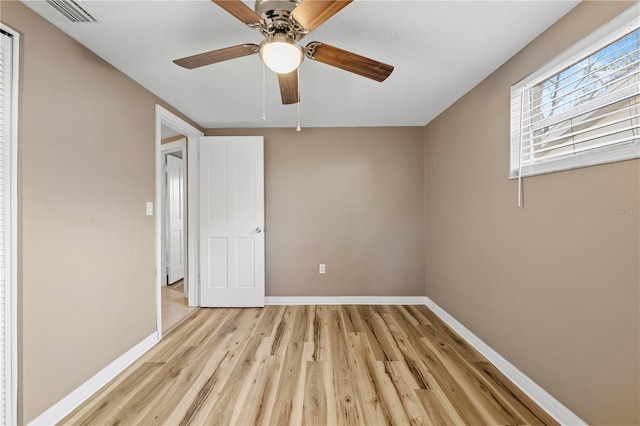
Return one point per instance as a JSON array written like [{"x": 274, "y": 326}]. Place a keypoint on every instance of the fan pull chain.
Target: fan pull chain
[
  {"x": 264, "y": 95},
  {"x": 298, "y": 72}
]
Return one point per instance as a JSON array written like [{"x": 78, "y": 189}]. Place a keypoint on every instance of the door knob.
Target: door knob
[{"x": 258, "y": 230}]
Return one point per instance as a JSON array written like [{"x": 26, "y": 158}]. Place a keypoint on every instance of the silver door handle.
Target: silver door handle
[{"x": 258, "y": 230}]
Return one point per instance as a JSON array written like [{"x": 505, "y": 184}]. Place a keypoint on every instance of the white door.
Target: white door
[
  {"x": 231, "y": 221},
  {"x": 175, "y": 200}
]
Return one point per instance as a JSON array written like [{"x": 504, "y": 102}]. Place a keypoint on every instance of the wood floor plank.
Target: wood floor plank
[
  {"x": 386, "y": 390},
  {"x": 445, "y": 336},
  {"x": 442, "y": 378},
  {"x": 173, "y": 406},
  {"x": 404, "y": 333},
  {"x": 288, "y": 382},
  {"x": 269, "y": 319},
  {"x": 454, "y": 391},
  {"x": 378, "y": 336},
  {"x": 200, "y": 404},
  {"x": 320, "y": 337},
  {"x": 530, "y": 414},
  {"x": 405, "y": 314},
  {"x": 237, "y": 330},
  {"x": 405, "y": 386},
  {"x": 299, "y": 324},
  {"x": 193, "y": 328},
  {"x": 374, "y": 411},
  {"x": 140, "y": 402},
  {"x": 418, "y": 314},
  {"x": 225, "y": 400},
  {"x": 464, "y": 360},
  {"x": 262, "y": 390},
  {"x": 311, "y": 365},
  {"x": 488, "y": 408},
  {"x": 315, "y": 395},
  {"x": 346, "y": 406},
  {"x": 438, "y": 410},
  {"x": 298, "y": 399},
  {"x": 354, "y": 322},
  {"x": 106, "y": 403}
]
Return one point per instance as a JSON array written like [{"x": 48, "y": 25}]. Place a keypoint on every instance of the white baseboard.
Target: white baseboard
[
  {"x": 541, "y": 397},
  {"x": 345, "y": 300},
  {"x": 72, "y": 401}
]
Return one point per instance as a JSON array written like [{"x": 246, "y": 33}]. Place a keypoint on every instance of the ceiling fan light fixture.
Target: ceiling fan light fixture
[{"x": 281, "y": 54}]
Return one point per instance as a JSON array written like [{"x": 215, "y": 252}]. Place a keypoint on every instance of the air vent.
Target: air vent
[{"x": 72, "y": 10}]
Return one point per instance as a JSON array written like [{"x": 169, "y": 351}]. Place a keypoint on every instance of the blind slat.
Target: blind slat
[
  {"x": 548, "y": 158},
  {"x": 570, "y": 134},
  {"x": 585, "y": 140}
]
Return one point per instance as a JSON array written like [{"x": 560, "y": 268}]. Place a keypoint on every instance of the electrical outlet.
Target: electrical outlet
[
  {"x": 323, "y": 269},
  {"x": 149, "y": 208}
]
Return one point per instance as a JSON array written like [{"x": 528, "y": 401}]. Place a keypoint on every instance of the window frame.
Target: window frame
[{"x": 616, "y": 28}]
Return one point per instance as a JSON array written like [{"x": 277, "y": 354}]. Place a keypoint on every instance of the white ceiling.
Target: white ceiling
[{"x": 440, "y": 50}]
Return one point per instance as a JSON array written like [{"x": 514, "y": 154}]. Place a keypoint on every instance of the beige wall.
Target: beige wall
[
  {"x": 351, "y": 198},
  {"x": 87, "y": 248},
  {"x": 553, "y": 287}
]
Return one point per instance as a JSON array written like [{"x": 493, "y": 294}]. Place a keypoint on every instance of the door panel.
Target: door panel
[
  {"x": 246, "y": 255},
  {"x": 218, "y": 261},
  {"x": 232, "y": 220}
]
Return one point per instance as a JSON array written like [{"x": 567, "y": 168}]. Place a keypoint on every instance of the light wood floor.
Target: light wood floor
[
  {"x": 174, "y": 306},
  {"x": 311, "y": 365}
]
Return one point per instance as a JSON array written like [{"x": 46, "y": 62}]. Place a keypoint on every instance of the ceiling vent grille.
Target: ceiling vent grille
[{"x": 72, "y": 10}]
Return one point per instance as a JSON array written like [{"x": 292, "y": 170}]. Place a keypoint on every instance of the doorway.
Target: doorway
[
  {"x": 176, "y": 290},
  {"x": 175, "y": 287}
]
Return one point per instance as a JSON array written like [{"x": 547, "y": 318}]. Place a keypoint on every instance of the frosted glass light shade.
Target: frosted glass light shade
[{"x": 281, "y": 54}]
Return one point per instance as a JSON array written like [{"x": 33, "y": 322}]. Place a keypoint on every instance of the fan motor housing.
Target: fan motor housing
[
  {"x": 263, "y": 7},
  {"x": 277, "y": 18}
]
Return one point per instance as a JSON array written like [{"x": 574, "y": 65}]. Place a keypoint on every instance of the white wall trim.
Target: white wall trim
[
  {"x": 541, "y": 397},
  {"x": 70, "y": 402},
  {"x": 169, "y": 119},
  {"x": 345, "y": 300},
  {"x": 193, "y": 219}
]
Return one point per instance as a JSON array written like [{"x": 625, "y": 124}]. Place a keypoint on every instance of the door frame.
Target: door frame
[
  {"x": 10, "y": 321},
  {"x": 167, "y": 118},
  {"x": 179, "y": 146}
]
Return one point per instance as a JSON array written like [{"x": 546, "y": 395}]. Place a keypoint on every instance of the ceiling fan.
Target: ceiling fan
[{"x": 284, "y": 23}]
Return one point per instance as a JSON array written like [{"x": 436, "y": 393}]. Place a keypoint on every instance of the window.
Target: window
[{"x": 583, "y": 108}]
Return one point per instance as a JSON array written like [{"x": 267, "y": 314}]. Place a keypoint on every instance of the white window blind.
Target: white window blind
[
  {"x": 7, "y": 268},
  {"x": 584, "y": 107}
]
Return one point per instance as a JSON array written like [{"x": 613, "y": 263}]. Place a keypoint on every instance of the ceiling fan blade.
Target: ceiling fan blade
[
  {"x": 289, "y": 87},
  {"x": 215, "y": 56},
  {"x": 312, "y": 13},
  {"x": 348, "y": 61},
  {"x": 240, "y": 10}
]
